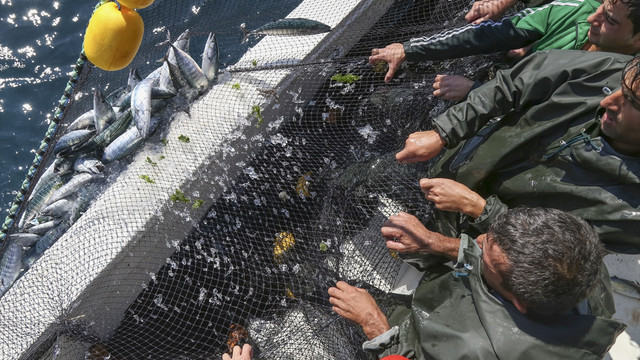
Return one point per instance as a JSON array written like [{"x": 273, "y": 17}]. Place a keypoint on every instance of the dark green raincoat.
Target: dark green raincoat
[
  {"x": 460, "y": 318},
  {"x": 547, "y": 149}
]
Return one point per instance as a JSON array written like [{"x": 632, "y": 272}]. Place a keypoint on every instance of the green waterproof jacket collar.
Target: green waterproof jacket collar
[{"x": 460, "y": 318}]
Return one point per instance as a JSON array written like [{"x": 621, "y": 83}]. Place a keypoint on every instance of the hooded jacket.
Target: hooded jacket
[{"x": 546, "y": 148}]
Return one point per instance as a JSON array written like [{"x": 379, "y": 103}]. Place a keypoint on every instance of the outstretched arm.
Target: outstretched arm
[
  {"x": 405, "y": 233},
  {"x": 450, "y": 195},
  {"x": 392, "y": 54},
  {"x": 358, "y": 305},
  {"x": 420, "y": 146}
]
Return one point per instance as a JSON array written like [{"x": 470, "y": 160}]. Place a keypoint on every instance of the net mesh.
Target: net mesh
[{"x": 232, "y": 220}]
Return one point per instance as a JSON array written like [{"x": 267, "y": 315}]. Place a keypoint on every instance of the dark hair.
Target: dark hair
[
  {"x": 634, "y": 12},
  {"x": 631, "y": 81},
  {"x": 554, "y": 257}
]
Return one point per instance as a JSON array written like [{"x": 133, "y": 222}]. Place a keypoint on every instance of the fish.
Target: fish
[
  {"x": 108, "y": 135},
  {"x": 625, "y": 287},
  {"x": 211, "y": 58},
  {"x": 126, "y": 143},
  {"x": 72, "y": 139},
  {"x": 182, "y": 43},
  {"x": 287, "y": 27},
  {"x": 190, "y": 69},
  {"x": 133, "y": 79},
  {"x": 141, "y": 106},
  {"x": 11, "y": 261},
  {"x": 103, "y": 114},
  {"x": 84, "y": 121},
  {"x": 10, "y": 266},
  {"x": 60, "y": 210},
  {"x": 77, "y": 181},
  {"x": 45, "y": 242},
  {"x": 40, "y": 196},
  {"x": 42, "y": 228},
  {"x": 116, "y": 96},
  {"x": 156, "y": 93},
  {"x": 88, "y": 164}
]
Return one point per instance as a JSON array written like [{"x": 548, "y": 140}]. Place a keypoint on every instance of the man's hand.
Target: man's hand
[
  {"x": 358, "y": 305},
  {"x": 244, "y": 353},
  {"x": 405, "y": 233},
  {"x": 488, "y": 10},
  {"x": 452, "y": 87},
  {"x": 392, "y": 54},
  {"x": 450, "y": 195},
  {"x": 420, "y": 146}
]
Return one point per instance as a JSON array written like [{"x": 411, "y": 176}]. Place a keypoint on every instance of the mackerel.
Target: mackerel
[
  {"x": 288, "y": 27},
  {"x": 211, "y": 58}
]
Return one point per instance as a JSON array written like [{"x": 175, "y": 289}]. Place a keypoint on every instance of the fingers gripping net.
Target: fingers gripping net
[{"x": 231, "y": 220}]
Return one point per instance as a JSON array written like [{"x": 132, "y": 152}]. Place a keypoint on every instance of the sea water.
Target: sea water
[{"x": 40, "y": 43}]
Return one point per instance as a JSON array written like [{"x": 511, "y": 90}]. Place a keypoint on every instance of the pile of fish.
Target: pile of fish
[{"x": 117, "y": 125}]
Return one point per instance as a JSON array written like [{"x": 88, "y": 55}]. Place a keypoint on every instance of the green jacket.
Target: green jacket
[
  {"x": 547, "y": 149},
  {"x": 558, "y": 25},
  {"x": 460, "y": 318}
]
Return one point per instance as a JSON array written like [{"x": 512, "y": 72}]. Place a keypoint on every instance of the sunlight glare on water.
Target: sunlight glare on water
[{"x": 40, "y": 43}]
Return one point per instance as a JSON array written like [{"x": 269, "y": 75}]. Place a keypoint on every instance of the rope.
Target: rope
[{"x": 44, "y": 145}]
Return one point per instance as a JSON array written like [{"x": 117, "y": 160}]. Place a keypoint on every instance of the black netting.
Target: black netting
[{"x": 252, "y": 199}]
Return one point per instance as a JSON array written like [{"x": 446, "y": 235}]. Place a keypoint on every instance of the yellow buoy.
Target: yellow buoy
[
  {"x": 136, "y": 4},
  {"x": 113, "y": 36}
]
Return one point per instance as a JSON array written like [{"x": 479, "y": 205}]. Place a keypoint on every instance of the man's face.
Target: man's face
[
  {"x": 612, "y": 30},
  {"x": 621, "y": 120}
]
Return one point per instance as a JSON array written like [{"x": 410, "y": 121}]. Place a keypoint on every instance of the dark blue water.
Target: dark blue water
[{"x": 40, "y": 43}]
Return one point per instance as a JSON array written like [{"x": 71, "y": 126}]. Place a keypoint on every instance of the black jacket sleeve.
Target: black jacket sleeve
[{"x": 486, "y": 37}]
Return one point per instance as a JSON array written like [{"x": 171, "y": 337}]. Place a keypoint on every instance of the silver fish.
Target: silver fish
[
  {"x": 103, "y": 114},
  {"x": 133, "y": 79},
  {"x": 211, "y": 58},
  {"x": 164, "y": 79},
  {"x": 10, "y": 266},
  {"x": 190, "y": 69},
  {"x": 40, "y": 196},
  {"x": 23, "y": 239},
  {"x": 59, "y": 166},
  {"x": 126, "y": 143},
  {"x": 141, "y": 106},
  {"x": 84, "y": 121},
  {"x": 182, "y": 43},
  {"x": 71, "y": 140},
  {"x": 77, "y": 181},
  {"x": 44, "y": 243},
  {"x": 59, "y": 210},
  {"x": 41, "y": 229},
  {"x": 156, "y": 93},
  {"x": 107, "y": 136},
  {"x": 625, "y": 287},
  {"x": 88, "y": 164},
  {"x": 288, "y": 27}
]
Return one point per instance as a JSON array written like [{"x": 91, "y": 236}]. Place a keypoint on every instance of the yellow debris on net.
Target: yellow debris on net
[
  {"x": 284, "y": 242},
  {"x": 289, "y": 294},
  {"x": 302, "y": 187}
]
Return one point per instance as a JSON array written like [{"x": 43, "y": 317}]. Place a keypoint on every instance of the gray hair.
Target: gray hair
[{"x": 554, "y": 257}]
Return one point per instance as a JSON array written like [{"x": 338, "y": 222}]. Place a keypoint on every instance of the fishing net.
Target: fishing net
[{"x": 229, "y": 223}]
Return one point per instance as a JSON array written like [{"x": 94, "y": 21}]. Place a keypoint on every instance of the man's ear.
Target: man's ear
[{"x": 521, "y": 306}]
